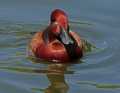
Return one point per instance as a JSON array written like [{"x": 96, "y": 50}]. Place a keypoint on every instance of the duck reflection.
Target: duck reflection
[{"x": 56, "y": 77}]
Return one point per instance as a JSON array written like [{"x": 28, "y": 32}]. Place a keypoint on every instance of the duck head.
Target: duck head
[
  {"x": 60, "y": 17},
  {"x": 60, "y": 26}
]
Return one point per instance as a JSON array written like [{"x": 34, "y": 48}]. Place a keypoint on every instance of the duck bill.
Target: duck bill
[{"x": 64, "y": 37}]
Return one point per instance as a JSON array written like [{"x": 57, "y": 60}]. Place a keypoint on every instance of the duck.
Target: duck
[{"x": 57, "y": 42}]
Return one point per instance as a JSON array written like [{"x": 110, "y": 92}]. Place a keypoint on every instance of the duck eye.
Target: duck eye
[{"x": 53, "y": 20}]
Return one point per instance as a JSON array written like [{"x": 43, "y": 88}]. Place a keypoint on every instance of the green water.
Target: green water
[{"x": 97, "y": 72}]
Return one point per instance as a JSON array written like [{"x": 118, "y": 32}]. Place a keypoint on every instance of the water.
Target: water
[{"x": 97, "y": 73}]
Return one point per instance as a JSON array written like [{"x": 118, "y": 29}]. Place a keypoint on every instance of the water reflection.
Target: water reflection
[
  {"x": 55, "y": 73},
  {"x": 56, "y": 77}
]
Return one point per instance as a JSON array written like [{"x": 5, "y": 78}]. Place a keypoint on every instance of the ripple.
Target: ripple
[
  {"x": 101, "y": 50},
  {"x": 100, "y": 85}
]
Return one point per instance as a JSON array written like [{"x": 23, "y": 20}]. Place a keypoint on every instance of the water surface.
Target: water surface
[{"x": 97, "y": 71}]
